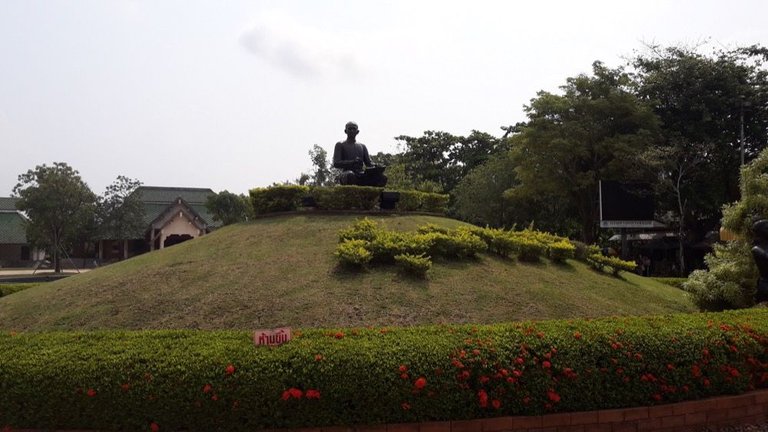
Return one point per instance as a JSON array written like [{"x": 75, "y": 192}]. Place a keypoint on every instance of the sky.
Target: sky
[{"x": 231, "y": 95}]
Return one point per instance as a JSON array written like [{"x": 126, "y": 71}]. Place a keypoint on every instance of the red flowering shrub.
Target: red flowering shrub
[{"x": 405, "y": 374}]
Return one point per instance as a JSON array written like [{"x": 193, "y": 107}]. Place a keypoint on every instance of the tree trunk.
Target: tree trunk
[{"x": 56, "y": 260}]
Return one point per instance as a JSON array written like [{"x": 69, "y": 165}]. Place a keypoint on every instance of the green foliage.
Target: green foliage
[
  {"x": 120, "y": 212},
  {"x": 353, "y": 253},
  {"x": 363, "y": 229},
  {"x": 729, "y": 282},
  {"x": 217, "y": 380},
  {"x": 584, "y": 251},
  {"x": 434, "y": 202},
  {"x": 416, "y": 265},
  {"x": 562, "y": 250},
  {"x": 590, "y": 132},
  {"x": 11, "y": 288},
  {"x": 60, "y": 206},
  {"x": 432, "y": 228},
  {"x": 612, "y": 264},
  {"x": 278, "y": 198},
  {"x": 347, "y": 197},
  {"x": 529, "y": 249},
  {"x": 422, "y": 201},
  {"x": 456, "y": 244},
  {"x": 479, "y": 196},
  {"x": 228, "y": 208},
  {"x": 321, "y": 174}
]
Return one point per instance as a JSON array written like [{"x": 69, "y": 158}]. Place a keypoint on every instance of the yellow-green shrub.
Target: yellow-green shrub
[
  {"x": 562, "y": 250},
  {"x": 417, "y": 265},
  {"x": 277, "y": 198},
  {"x": 346, "y": 197},
  {"x": 613, "y": 264},
  {"x": 353, "y": 253}
]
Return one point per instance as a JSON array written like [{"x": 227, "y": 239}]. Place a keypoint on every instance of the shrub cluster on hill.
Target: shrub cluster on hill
[
  {"x": 366, "y": 242},
  {"x": 195, "y": 380},
  {"x": 10, "y": 288},
  {"x": 281, "y": 198}
]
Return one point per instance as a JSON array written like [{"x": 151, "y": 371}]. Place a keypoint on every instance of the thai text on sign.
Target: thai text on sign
[{"x": 276, "y": 336}]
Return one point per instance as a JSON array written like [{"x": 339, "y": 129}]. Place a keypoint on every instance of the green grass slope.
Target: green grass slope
[{"x": 281, "y": 272}]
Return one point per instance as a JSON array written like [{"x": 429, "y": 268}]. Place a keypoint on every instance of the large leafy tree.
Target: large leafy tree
[
  {"x": 444, "y": 159},
  {"x": 479, "y": 196},
  {"x": 229, "y": 208},
  {"x": 593, "y": 131},
  {"x": 120, "y": 210},
  {"x": 702, "y": 102},
  {"x": 59, "y": 205}
]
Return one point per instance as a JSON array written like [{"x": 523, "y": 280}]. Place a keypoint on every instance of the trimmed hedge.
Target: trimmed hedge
[
  {"x": 347, "y": 197},
  {"x": 217, "y": 380},
  {"x": 612, "y": 264},
  {"x": 277, "y": 198},
  {"x": 422, "y": 201},
  {"x": 10, "y": 288}
]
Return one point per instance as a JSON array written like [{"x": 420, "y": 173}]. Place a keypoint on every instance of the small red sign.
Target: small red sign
[{"x": 276, "y": 336}]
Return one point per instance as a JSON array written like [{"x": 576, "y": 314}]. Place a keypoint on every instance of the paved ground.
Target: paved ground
[{"x": 28, "y": 272}]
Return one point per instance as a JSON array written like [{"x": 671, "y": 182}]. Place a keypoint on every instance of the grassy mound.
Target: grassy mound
[{"x": 281, "y": 271}]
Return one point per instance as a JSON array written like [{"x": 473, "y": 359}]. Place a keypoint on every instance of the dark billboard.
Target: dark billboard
[{"x": 626, "y": 201}]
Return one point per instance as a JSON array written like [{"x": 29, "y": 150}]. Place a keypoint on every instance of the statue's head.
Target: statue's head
[
  {"x": 760, "y": 229},
  {"x": 351, "y": 129}
]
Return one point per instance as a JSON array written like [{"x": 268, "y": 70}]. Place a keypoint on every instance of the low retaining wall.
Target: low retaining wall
[{"x": 693, "y": 416}]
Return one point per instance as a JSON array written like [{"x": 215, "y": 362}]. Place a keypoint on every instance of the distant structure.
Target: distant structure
[
  {"x": 15, "y": 250},
  {"x": 172, "y": 215}
]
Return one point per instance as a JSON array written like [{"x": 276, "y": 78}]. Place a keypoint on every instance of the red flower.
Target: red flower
[
  {"x": 207, "y": 388},
  {"x": 484, "y": 379},
  {"x": 705, "y": 352},
  {"x": 577, "y": 335},
  {"x": 476, "y": 352},
  {"x": 519, "y": 360},
  {"x": 706, "y": 382},
  {"x": 214, "y": 397},
  {"x": 482, "y": 398},
  {"x": 420, "y": 383},
  {"x": 696, "y": 371},
  {"x": 154, "y": 427},
  {"x": 295, "y": 393},
  {"x": 339, "y": 335},
  {"x": 546, "y": 365},
  {"x": 734, "y": 372},
  {"x": 553, "y": 396},
  {"x": 318, "y": 357},
  {"x": 496, "y": 404},
  {"x": 404, "y": 376},
  {"x": 286, "y": 395},
  {"x": 313, "y": 394},
  {"x": 526, "y": 400},
  {"x": 670, "y": 366},
  {"x": 125, "y": 387},
  {"x": 406, "y": 406},
  {"x": 656, "y": 397},
  {"x": 230, "y": 369},
  {"x": 403, "y": 368},
  {"x": 91, "y": 392},
  {"x": 464, "y": 375}
]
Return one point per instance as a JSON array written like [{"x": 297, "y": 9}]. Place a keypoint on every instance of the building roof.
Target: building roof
[
  {"x": 12, "y": 230},
  {"x": 8, "y": 204},
  {"x": 157, "y": 199}
]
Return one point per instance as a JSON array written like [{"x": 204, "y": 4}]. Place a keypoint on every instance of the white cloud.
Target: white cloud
[{"x": 299, "y": 49}]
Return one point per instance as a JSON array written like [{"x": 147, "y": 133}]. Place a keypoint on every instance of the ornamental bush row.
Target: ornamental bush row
[
  {"x": 217, "y": 380},
  {"x": 612, "y": 264},
  {"x": 529, "y": 245},
  {"x": 281, "y": 198}
]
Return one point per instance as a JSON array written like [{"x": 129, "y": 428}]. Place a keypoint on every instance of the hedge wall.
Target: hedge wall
[{"x": 195, "y": 380}]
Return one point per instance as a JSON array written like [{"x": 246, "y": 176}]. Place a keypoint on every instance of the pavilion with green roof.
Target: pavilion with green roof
[{"x": 171, "y": 215}]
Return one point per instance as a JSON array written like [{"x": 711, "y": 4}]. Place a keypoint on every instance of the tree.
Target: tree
[
  {"x": 443, "y": 158},
  {"x": 120, "y": 212},
  {"x": 228, "y": 208},
  {"x": 479, "y": 196},
  {"x": 321, "y": 175},
  {"x": 731, "y": 276},
  {"x": 59, "y": 204},
  {"x": 700, "y": 100},
  {"x": 592, "y": 132}
]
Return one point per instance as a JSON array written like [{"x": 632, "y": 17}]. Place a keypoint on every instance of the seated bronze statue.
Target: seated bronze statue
[
  {"x": 760, "y": 255},
  {"x": 353, "y": 159}
]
